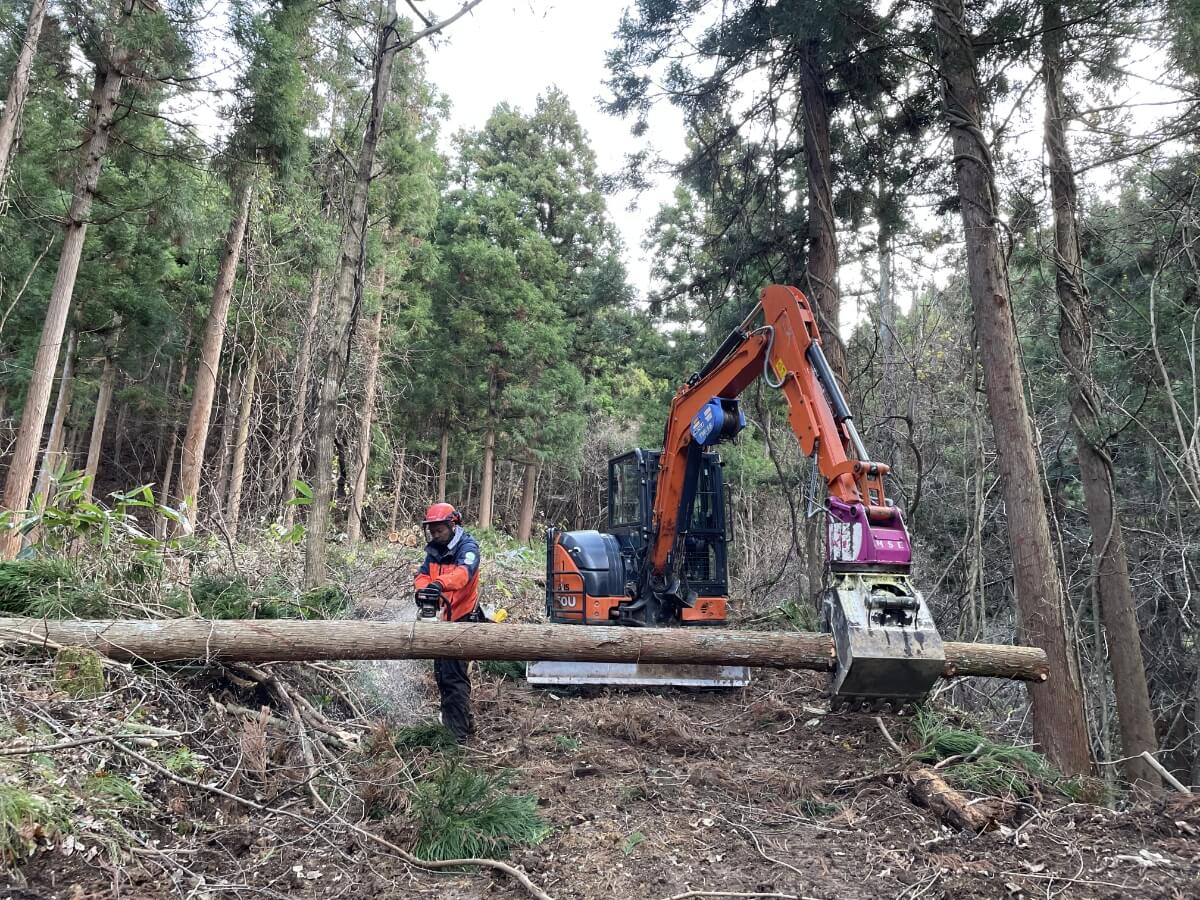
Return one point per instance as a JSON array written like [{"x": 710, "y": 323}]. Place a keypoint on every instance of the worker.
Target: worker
[{"x": 450, "y": 576}]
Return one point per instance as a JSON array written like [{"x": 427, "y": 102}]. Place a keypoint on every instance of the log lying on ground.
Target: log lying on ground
[
  {"x": 278, "y": 640},
  {"x": 927, "y": 788}
]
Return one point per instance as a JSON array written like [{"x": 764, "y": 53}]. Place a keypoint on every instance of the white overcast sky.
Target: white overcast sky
[{"x": 512, "y": 50}]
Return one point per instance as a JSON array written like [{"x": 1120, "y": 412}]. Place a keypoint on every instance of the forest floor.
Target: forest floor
[{"x": 205, "y": 783}]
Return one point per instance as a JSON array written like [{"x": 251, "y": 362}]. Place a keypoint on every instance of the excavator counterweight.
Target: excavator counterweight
[{"x": 662, "y": 560}]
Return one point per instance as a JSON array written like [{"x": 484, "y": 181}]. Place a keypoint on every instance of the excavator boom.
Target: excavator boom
[{"x": 888, "y": 650}]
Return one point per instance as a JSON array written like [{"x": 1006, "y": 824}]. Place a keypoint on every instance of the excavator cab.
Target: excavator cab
[
  {"x": 592, "y": 577},
  {"x": 632, "y": 480}
]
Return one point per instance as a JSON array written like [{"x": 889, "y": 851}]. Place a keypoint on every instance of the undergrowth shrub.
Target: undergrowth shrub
[
  {"x": 46, "y": 587},
  {"x": 991, "y": 767},
  {"x": 26, "y": 821},
  {"x": 503, "y": 668},
  {"x": 794, "y": 615},
  {"x": 463, "y": 814},
  {"x": 223, "y": 596},
  {"x": 426, "y": 735},
  {"x": 115, "y": 791}
]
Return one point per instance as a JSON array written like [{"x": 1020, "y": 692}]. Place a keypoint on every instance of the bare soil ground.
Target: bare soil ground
[{"x": 755, "y": 793}]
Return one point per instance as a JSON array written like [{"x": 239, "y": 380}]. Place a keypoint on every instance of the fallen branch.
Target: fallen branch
[
  {"x": 431, "y": 864},
  {"x": 294, "y": 702},
  {"x": 228, "y": 708},
  {"x": 887, "y": 736},
  {"x": 836, "y": 787},
  {"x": 1167, "y": 776}
]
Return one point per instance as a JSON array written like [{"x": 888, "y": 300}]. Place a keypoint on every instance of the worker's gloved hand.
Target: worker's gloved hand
[{"x": 433, "y": 590}]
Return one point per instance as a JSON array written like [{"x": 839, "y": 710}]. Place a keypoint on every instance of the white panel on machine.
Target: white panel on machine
[{"x": 636, "y": 674}]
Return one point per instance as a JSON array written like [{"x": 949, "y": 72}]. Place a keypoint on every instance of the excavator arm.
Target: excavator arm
[
  {"x": 784, "y": 348},
  {"x": 888, "y": 649},
  {"x": 657, "y": 566}
]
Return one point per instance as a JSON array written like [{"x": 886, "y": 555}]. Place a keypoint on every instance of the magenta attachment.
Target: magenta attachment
[{"x": 855, "y": 540}]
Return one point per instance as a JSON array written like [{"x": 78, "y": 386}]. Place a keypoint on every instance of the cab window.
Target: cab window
[{"x": 625, "y": 505}]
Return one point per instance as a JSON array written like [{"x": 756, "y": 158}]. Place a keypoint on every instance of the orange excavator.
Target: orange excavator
[{"x": 662, "y": 559}]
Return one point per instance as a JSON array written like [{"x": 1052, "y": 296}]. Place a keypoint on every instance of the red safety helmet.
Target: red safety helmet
[{"x": 442, "y": 512}]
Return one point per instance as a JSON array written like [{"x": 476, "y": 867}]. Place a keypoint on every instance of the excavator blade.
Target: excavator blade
[
  {"x": 636, "y": 675},
  {"x": 889, "y": 652}
]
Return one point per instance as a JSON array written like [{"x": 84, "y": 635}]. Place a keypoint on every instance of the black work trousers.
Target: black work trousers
[{"x": 454, "y": 685}]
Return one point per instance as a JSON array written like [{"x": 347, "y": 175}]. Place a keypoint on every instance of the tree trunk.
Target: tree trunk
[
  {"x": 887, "y": 351},
  {"x": 118, "y": 431},
  {"x": 814, "y": 554},
  {"x": 1117, "y": 607},
  {"x": 443, "y": 462},
  {"x": 18, "y": 90},
  {"x": 205, "y": 387},
  {"x": 37, "y": 400},
  {"x": 160, "y": 443},
  {"x": 928, "y": 789},
  {"x": 976, "y": 574},
  {"x": 1195, "y": 779},
  {"x": 268, "y": 640},
  {"x": 398, "y": 486},
  {"x": 1059, "y": 725},
  {"x": 347, "y": 293},
  {"x": 237, "y": 470},
  {"x": 821, "y": 271},
  {"x": 487, "y": 478},
  {"x": 300, "y": 400},
  {"x": 354, "y": 526},
  {"x": 234, "y": 383},
  {"x": 528, "y": 501},
  {"x": 509, "y": 481},
  {"x": 52, "y": 458},
  {"x": 164, "y": 492},
  {"x": 108, "y": 380}
]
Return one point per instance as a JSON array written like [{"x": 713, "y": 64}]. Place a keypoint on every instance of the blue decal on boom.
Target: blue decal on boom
[{"x": 708, "y": 423}]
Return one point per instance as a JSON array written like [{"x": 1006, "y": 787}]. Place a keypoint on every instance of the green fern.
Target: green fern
[
  {"x": 990, "y": 767},
  {"x": 464, "y": 814},
  {"x": 25, "y": 818}
]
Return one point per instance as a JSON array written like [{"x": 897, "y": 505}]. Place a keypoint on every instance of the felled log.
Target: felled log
[
  {"x": 278, "y": 640},
  {"x": 928, "y": 789}
]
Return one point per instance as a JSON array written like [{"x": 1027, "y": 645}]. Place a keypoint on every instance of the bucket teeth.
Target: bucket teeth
[{"x": 883, "y": 706}]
